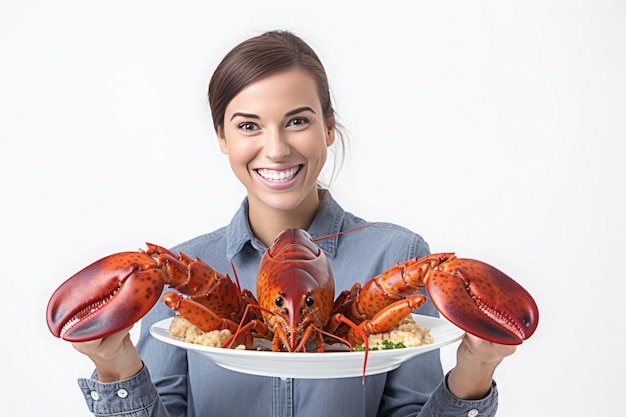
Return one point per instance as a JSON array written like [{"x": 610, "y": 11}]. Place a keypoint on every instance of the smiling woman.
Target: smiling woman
[{"x": 276, "y": 139}]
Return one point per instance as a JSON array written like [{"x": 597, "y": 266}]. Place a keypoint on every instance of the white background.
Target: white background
[{"x": 494, "y": 129}]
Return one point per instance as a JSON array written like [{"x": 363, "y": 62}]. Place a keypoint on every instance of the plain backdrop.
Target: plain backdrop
[{"x": 493, "y": 128}]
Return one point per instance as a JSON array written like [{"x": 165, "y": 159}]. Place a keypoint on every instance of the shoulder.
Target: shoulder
[
  {"x": 390, "y": 236},
  {"x": 366, "y": 249},
  {"x": 204, "y": 245}
]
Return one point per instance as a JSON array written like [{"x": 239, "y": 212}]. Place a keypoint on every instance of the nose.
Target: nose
[{"x": 276, "y": 145}]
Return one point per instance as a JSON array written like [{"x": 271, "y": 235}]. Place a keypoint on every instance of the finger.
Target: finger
[
  {"x": 485, "y": 350},
  {"x": 104, "y": 345}
]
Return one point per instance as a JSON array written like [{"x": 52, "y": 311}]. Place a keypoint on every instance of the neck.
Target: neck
[{"x": 266, "y": 222}]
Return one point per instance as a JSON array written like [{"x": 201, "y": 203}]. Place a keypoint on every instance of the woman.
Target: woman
[{"x": 274, "y": 120}]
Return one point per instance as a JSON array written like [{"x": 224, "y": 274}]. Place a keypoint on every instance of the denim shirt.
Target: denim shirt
[{"x": 177, "y": 382}]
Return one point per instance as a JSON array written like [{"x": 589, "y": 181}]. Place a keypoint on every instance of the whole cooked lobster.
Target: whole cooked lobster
[{"x": 296, "y": 297}]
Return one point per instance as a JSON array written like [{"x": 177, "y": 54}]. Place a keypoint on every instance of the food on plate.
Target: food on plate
[
  {"x": 181, "y": 329},
  {"x": 407, "y": 333}
]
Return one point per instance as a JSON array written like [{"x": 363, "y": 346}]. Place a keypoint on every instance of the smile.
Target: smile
[{"x": 283, "y": 175}]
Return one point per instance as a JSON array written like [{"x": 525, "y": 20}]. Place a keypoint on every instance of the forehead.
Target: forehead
[{"x": 279, "y": 91}]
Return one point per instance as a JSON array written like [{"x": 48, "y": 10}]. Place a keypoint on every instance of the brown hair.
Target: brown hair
[{"x": 259, "y": 57}]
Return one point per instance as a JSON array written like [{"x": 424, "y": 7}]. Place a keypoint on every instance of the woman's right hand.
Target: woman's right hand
[{"x": 114, "y": 356}]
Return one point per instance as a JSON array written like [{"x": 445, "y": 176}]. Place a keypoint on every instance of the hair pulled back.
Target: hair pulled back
[{"x": 259, "y": 57}]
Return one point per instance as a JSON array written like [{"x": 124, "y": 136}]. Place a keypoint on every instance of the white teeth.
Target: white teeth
[{"x": 278, "y": 176}]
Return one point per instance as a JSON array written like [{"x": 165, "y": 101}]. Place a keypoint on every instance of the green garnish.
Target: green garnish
[{"x": 387, "y": 344}]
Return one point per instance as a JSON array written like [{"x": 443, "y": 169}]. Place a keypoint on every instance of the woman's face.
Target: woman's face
[{"x": 276, "y": 140}]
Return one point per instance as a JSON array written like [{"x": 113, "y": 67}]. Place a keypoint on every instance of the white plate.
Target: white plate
[{"x": 315, "y": 365}]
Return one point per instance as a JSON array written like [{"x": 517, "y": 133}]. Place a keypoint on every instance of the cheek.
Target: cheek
[
  {"x": 240, "y": 152},
  {"x": 314, "y": 146}
]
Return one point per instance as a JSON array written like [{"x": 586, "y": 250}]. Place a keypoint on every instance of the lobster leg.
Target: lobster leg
[
  {"x": 280, "y": 338},
  {"x": 383, "y": 321},
  {"x": 116, "y": 291},
  {"x": 197, "y": 314},
  {"x": 388, "y": 317},
  {"x": 473, "y": 295}
]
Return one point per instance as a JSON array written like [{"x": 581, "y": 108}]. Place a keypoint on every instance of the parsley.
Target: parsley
[{"x": 387, "y": 344}]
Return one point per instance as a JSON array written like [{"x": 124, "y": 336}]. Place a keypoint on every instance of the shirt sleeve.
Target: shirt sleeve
[
  {"x": 139, "y": 395},
  {"x": 442, "y": 402},
  {"x": 132, "y": 397}
]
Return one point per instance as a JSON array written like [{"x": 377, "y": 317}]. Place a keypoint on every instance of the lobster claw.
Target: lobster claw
[
  {"x": 105, "y": 297},
  {"x": 483, "y": 301}
]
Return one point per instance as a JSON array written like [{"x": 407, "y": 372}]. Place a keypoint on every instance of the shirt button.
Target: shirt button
[
  {"x": 122, "y": 393},
  {"x": 94, "y": 395},
  {"x": 472, "y": 413}
]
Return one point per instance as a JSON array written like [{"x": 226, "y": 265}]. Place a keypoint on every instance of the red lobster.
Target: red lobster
[{"x": 295, "y": 290}]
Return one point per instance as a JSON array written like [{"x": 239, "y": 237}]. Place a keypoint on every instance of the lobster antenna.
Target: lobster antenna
[
  {"x": 232, "y": 266},
  {"x": 317, "y": 239}
]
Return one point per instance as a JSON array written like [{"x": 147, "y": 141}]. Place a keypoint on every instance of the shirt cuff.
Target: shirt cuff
[
  {"x": 125, "y": 396},
  {"x": 443, "y": 399}
]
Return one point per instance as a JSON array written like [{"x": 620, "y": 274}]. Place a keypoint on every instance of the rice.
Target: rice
[
  {"x": 407, "y": 332},
  {"x": 181, "y": 329}
]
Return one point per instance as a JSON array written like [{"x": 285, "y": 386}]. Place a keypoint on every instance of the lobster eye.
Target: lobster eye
[
  {"x": 279, "y": 301},
  {"x": 309, "y": 301}
]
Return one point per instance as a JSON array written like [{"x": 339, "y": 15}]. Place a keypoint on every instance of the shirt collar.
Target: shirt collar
[{"x": 328, "y": 221}]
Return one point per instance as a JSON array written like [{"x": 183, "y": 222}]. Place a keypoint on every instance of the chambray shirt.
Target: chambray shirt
[{"x": 177, "y": 382}]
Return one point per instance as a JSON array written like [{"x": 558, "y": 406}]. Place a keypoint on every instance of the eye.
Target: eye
[
  {"x": 279, "y": 301},
  {"x": 247, "y": 126},
  {"x": 298, "y": 121},
  {"x": 309, "y": 301}
]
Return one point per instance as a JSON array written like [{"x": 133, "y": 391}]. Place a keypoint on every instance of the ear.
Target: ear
[
  {"x": 330, "y": 132},
  {"x": 222, "y": 141}
]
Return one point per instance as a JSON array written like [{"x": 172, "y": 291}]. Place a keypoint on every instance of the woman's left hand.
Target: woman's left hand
[{"x": 476, "y": 362}]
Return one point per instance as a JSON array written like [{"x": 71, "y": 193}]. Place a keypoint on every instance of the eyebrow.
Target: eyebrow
[
  {"x": 300, "y": 110},
  {"x": 245, "y": 115},
  {"x": 290, "y": 113}
]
